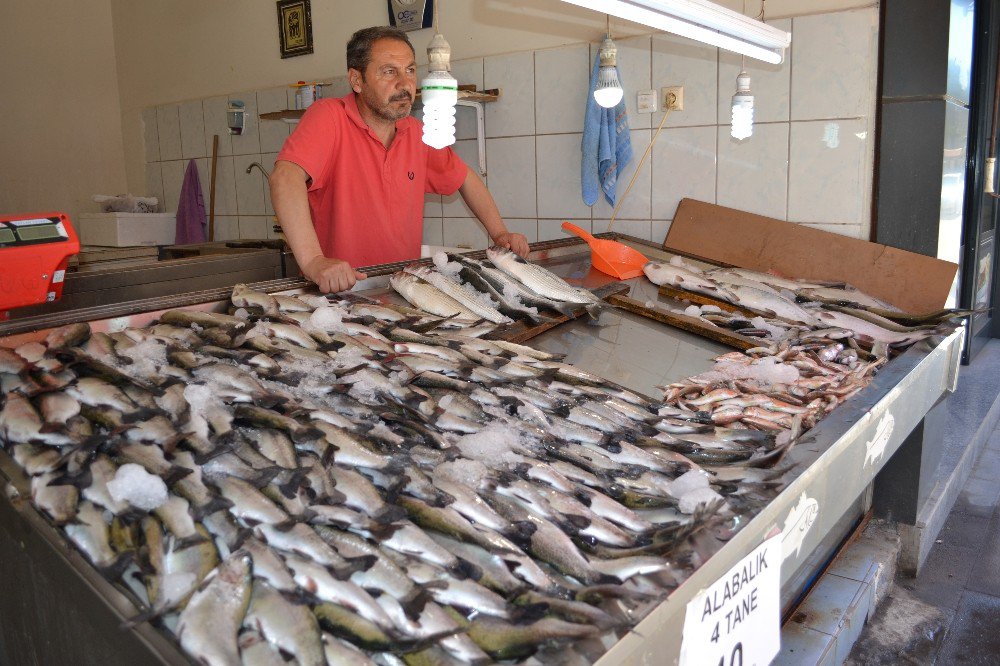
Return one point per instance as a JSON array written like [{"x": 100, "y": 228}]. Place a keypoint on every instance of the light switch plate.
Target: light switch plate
[{"x": 646, "y": 101}]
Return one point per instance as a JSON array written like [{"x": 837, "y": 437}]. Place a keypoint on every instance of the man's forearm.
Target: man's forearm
[
  {"x": 481, "y": 202},
  {"x": 290, "y": 199}
]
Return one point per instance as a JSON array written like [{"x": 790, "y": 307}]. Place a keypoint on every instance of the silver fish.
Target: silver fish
[{"x": 209, "y": 624}]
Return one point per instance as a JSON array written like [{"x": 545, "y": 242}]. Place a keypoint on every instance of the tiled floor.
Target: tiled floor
[{"x": 960, "y": 581}]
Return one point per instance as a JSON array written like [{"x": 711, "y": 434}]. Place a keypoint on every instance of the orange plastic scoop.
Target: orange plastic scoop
[{"x": 611, "y": 257}]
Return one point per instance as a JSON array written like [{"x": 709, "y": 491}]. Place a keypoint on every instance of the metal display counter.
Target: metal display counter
[
  {"x": 172, "y": 272},
  {"x": 55, "y": 608}
]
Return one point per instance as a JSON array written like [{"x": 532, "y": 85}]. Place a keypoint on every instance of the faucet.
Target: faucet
[{"x": 262, "y": 170}]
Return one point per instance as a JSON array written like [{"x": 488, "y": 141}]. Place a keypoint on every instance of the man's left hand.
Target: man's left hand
[{"x": 516, "y": 243}]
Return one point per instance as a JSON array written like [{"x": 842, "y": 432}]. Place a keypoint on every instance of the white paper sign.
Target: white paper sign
[{"x": 735, "y": 622}]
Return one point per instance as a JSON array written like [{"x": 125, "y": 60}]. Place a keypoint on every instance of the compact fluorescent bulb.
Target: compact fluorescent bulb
[
  {"x": 608, "y": 92},
  {"x": 702, "y": 21},
  {"x": 439, "y": 93},
  {"x": 742, "y": 127}
]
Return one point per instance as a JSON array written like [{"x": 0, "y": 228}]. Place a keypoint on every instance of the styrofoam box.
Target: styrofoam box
[{"x": 126, "y": 229}]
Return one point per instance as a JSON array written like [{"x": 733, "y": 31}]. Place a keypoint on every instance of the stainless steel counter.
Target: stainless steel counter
[{"x": 830, "y": 473}]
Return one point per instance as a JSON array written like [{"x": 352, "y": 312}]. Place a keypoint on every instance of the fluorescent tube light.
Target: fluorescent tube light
[{"x": 702, "y": 21}]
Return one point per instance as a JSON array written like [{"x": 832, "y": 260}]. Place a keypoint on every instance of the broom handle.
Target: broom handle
[{"x": 211, "y": 189}]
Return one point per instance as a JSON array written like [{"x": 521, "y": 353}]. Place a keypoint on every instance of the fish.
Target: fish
[
  {"x": 541, "y": 280},
  {"x": 290, "y": 627},
  {"x": 421, "y": 294},
  {"x": 209, "y": 624},
  {"x": 474, "y": 301}
]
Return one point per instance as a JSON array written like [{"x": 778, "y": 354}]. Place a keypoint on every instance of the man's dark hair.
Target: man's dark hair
[{"x": 359, "y": 49}]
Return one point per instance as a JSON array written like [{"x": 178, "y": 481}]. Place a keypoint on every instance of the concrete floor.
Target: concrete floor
[{"x": 950, "y": 613}]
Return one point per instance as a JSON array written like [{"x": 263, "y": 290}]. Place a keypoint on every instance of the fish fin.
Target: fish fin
[
  {"x": 141, "y": 414},
  {"x": 431, "y": 325},
  {"x": 113, "y": 572},
  {"x": 307, "y": 434},
  {"x": 290, "y": 488},
  {"x": 529, "y": 613},
  {"x": 465, "y": 569},
  {"x": 215, "y": 505},
  {"x": 268, "y": 400},
  {"x": 175, "y": 474},
  {"x": 391, "y": 514},
  {"x": 576, "y": 522},
  {"x": 414, "y": 604},
  {"x": 360, "y": 563},
  {"x": 81, "y": 479},
  {"x": 521, "y": 531},
  {"x": 383, "y": 531},
  {"x": 187, "y": 542}
]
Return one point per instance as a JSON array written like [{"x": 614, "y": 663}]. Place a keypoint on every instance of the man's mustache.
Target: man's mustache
[{"x": 405, "y": 95}]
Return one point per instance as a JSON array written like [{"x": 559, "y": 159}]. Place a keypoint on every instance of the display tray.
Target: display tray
[{"x": 64, "y": 604}]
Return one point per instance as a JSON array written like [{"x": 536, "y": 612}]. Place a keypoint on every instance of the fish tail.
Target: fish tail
[
  {"x": 114, "y": 571},
  {"x": 413, "y": 605},
  {"x": 216, "y": 504},
  {"x": 175, "y": 474}
]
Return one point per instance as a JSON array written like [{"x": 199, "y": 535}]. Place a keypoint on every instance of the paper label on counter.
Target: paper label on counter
[{"x": 736, "y": 621}]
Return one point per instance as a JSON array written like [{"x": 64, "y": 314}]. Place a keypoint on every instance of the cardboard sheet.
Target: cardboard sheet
[{"x": 910, "y": 281}]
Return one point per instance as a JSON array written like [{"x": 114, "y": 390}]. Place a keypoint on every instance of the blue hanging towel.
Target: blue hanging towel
[{"x": 607, "y": 145}]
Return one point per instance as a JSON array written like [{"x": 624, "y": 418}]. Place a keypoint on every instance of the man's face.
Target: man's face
[{"x": 389, "y": 83}]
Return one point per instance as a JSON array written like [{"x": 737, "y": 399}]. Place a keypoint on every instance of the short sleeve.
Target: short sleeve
[
  {"x": 446, "y": 171},
  {"x": 314, "y": 142}
]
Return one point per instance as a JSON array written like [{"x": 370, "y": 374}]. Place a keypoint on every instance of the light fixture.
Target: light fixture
[
  {"x": 608, "y": 91},
  {"x": 742, "y": 108},
  {"x": 439, "y": 92},
  {"x": 702, "y": 21}
]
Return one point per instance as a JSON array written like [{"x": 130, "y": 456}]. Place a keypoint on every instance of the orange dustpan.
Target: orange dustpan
[{"x": 611, "y": 257}]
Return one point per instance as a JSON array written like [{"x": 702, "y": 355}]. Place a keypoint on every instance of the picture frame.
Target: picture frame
[{"x": 295, "y": 28}]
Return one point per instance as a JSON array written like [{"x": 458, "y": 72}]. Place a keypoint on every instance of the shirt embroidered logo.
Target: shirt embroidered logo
[{"x": 409, "y": 174}]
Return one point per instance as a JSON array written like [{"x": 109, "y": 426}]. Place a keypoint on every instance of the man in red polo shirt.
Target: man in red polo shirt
[{"x": 348, "y": 185}]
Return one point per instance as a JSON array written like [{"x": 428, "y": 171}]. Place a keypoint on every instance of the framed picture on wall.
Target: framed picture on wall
[{"x": 295, "y": 28}]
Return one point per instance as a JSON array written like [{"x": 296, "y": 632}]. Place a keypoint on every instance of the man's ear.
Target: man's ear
[{"x": 355, "y": 77}]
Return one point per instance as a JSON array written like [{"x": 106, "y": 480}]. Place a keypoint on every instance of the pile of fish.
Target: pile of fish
[
  {"x": 780, "y": 309},
  {"x": 788, "y": 388},
  {"x": 344, "y": 482},
  {"x": 501, "y": 290}
]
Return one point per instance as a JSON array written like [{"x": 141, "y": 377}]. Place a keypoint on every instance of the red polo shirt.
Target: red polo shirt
[{"x": 367, "y": 202}]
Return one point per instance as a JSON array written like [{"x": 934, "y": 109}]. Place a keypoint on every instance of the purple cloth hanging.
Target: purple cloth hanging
[{"x": 190, "y": 209}]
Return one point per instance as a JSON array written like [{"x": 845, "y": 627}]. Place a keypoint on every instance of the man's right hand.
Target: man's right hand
[{"x": 332, "y": 275}]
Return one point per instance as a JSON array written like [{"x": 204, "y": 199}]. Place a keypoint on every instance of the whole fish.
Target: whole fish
[
  {"x": 290, "y": 627},
  {"x": 209, "y": 624},
  {"x": 421, "y": 294},
  {"x": 472, "y": 300},
  {"x": 540, "y": 280}
]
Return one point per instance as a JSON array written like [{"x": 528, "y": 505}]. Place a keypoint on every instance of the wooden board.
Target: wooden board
[
  {"x": 521, "y": 331},
  {"x": 685, "y": 323},
  {"x": 909, "y": 281}
]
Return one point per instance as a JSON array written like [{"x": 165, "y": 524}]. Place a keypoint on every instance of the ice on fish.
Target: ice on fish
[
  {"x": 775, "y": 332},
  {"x": 692, "y": 311},
  {"x": 133, "y": 484},
  {"x": 448, "y": 268},
  {"x": 469, "y": 473},
  {"x": 767, "y": 370},
  {"x": 494, "y": 445},
  {"x": 327, "y": 318}
]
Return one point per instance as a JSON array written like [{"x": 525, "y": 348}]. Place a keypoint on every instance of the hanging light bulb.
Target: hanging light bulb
[
  {"x": 608, "y": 92},
  {"x": 439, "y": 92},
  {"x": 742, "y": 108}
]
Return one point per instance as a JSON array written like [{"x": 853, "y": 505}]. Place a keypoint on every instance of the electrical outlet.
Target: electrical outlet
[
  {"x": 646, "y": 101},
  {"x": 673, "y": 98}
]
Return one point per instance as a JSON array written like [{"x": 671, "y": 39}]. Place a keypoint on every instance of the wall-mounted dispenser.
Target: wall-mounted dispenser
[{"x": 236, "y": 117}]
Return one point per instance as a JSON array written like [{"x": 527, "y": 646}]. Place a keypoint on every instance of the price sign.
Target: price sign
[{"x": 735, "y": 622}]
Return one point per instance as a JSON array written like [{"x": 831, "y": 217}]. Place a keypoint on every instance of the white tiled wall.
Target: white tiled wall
[{"x": 808, "y": 161}]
